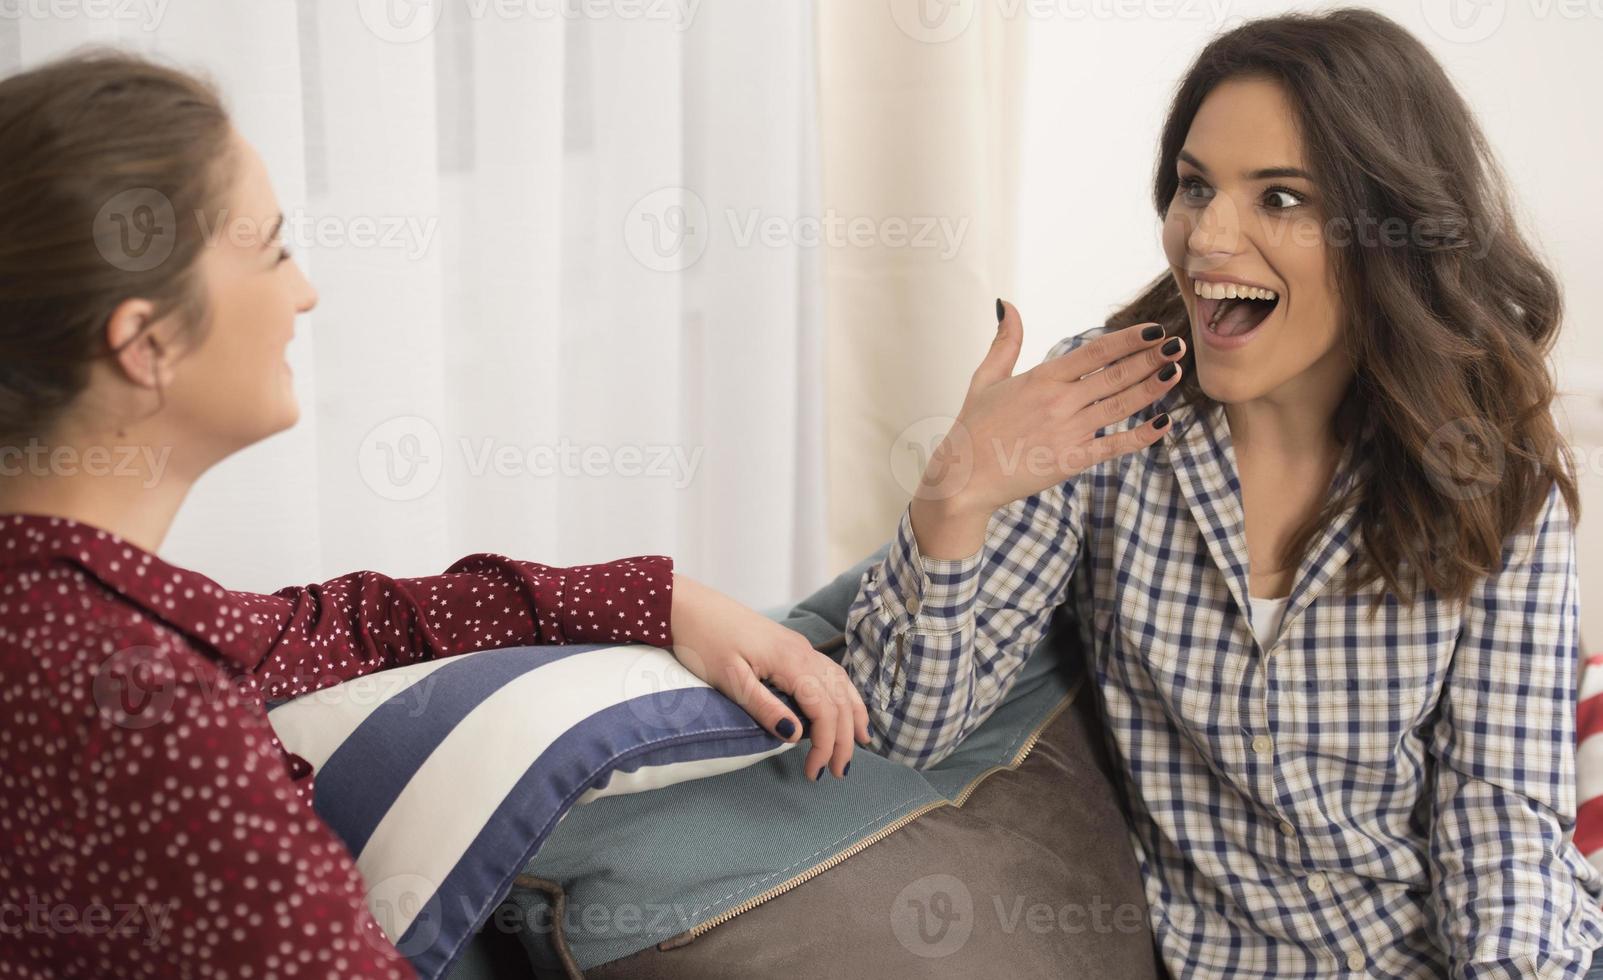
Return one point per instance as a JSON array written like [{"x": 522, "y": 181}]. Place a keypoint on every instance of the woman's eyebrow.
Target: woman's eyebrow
[{"x": 1267, "y": 173}]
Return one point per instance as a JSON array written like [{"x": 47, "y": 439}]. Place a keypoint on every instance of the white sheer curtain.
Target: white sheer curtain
[{"x": 545, "y": 327}]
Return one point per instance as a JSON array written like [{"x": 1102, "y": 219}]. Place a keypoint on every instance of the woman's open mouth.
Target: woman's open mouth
[{"x": 1231, "y": 321}]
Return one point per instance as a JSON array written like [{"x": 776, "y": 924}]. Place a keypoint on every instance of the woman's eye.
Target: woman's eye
[
  {"x": 283, "y": 253},
  {"x": 1193, "y": 190},
  {"x": 1284, "y": 194}
]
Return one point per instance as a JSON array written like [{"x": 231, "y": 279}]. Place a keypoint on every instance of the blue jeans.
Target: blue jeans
[{"x": 1596, "y": 971}]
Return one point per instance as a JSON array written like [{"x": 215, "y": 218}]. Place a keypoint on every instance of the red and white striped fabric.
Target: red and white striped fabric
[{"x": 1589, "y": 761}]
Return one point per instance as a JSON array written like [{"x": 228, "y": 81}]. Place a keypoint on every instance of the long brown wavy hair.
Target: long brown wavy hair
[{"x": 1449, "y": 327}]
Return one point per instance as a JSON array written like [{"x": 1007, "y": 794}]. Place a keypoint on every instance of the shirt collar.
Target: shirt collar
[
  {"x": 1203, "y": 458},
  {"x": 187, "y": 601}
]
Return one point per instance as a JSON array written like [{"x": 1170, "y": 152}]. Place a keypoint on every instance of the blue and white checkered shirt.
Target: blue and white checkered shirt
[{"x": 1384, "y": 793}]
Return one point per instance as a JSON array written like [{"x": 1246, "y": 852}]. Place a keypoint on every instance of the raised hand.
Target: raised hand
[{"x": 1016, "y": 435}]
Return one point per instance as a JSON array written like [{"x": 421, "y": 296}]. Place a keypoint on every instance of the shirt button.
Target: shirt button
[
  {"x": 1317, "y": 883},
  {"x": 912, "y": 606},
  {"x": 1286, "y": 828},
  {"x": 1262, "y": 745},
  {"x": 1355, "y": 960}
]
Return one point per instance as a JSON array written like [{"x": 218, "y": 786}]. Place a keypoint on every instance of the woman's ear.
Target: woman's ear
[{"x": 139, "y": 353}]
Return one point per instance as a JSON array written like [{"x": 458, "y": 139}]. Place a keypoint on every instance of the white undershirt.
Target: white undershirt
[{"x": 1266, "y": 616}]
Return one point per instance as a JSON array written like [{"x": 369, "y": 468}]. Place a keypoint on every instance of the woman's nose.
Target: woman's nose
[
  {"x": 308, "y": 297},
  {"x": 1217, "y": 231}
]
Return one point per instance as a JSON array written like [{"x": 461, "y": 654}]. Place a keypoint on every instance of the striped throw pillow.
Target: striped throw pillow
[{"x": 443, "y": 778}]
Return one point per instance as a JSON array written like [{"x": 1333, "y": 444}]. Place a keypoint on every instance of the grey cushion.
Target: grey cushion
[{"x": 1032, "y": 876}]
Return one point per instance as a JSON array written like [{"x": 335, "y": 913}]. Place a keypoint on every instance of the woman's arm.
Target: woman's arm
[
  {"x": 934, "y": 645},
  {"x": 318, "y": 635},
  {"x": 1505, "y": 893},
  {"x": 941, "y": 627},
  {"x": 365, "y": 622}
]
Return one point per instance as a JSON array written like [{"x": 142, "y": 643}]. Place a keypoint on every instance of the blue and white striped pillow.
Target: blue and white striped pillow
[{"x": 445, "y": 777}]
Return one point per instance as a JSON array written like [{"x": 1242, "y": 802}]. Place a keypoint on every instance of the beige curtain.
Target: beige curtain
[{"x": 920, "y": 109}]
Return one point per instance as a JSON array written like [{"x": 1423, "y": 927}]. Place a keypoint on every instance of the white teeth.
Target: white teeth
[{"x": 1230, "y": 290}]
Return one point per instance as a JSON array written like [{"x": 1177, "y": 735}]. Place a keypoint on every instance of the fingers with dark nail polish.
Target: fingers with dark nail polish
[{"x": 1152, "y": 333}]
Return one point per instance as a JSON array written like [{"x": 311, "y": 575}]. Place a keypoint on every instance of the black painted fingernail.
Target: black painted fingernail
[
  {"x": 1167, "y": 372},
  {"x": 1172, "y": 347},
  {"x": 1152, "y": 333},
  {"x": 845, "y": 772},
  {"x": 1001, "y": 311},
  {"x": 786, "y": 728},
  {"x": 1161, "y": 422}
]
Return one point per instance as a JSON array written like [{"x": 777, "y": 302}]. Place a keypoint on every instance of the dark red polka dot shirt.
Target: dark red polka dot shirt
[{"x": 151, "y": 825}]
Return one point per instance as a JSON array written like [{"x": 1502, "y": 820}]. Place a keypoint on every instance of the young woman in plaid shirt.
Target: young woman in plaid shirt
[{"x": 1309, "y": 504}]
